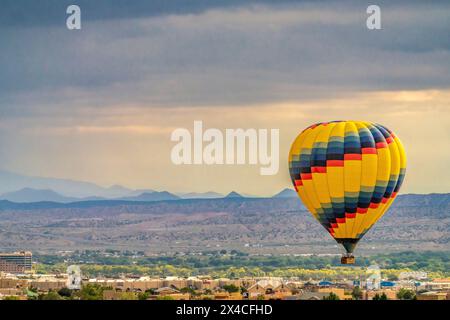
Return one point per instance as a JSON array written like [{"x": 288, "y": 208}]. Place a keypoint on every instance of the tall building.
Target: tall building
[{"x": 16, "y": 262}]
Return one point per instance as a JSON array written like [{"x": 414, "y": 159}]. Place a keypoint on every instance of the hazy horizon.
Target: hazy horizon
[{"x": 153, "y": 189}]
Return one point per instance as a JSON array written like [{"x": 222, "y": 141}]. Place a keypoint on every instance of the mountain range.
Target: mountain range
[
  {"x": 27, "y": 189},
  {"x": 29, "y": 195},
  {"x": 11, "y": 182},
  {"x": 17, "y": 188},
  {"x": 21, "y": 188}
]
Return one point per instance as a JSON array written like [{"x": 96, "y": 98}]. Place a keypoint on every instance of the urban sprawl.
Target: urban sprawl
[{"x": 18, "y": 281}]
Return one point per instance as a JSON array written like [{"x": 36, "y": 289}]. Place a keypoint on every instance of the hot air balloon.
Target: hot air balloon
[{"x": 347, "y": 174}]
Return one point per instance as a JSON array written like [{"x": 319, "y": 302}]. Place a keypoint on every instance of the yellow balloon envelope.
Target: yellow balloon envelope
[{"x": 347, "y": 173}]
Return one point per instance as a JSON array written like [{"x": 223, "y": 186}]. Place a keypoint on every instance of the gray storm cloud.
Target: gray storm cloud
[{"x": 222, "y": 54}]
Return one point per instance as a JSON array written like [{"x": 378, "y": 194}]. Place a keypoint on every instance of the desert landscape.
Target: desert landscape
[{"x": 274, "y": 225}]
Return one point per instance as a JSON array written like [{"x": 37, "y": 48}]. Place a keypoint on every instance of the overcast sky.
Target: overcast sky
[{"x": 99, "y": 104}]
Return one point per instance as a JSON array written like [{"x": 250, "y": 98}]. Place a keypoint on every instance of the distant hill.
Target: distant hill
[
  {"x": 233, "y": 195},
  {"x": 286, "y": 193},
  {"x": 421, "y": 200},
  {"x": 117, "y": 191},
  {"x": 153, "y": 196},
  {"x": 29, "y": 195},
  {"x": 10, "y": 182},
  {"x": 138, "y": 192},
  {"x": 201, "y": 195},
  {"x": 34, "y": 195}
]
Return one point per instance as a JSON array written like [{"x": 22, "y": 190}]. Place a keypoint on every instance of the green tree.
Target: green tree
[
  {"x": 406, "y": 294},
  {"x": 91, "y": 292},
  {"x": 11, "y": 298},
  {"x": 143, "y": 295},
  {"x": 32, "y": 295},
  {"x": 331, "y": 296},
  {"x": 65, "y": 292},
  {"x": 188, "y": 290},
  {"x": 207, "y": 291},
  {"x": 150, "y": 291},
  {"x": 33, "y": 289},
  {"x": 380, "y": 297},
  {"x": 357, "y": 293},
  {"x": 51, "y": 295},
  {"x": 230, "y": 288}
]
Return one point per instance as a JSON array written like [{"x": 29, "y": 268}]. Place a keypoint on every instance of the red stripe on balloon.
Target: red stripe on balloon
[
  {"x": 319, "y": 169},
  {"x": 335, "y": 163},
  {"x": 369, "y": 150},
  {"x": 352, "y": 156},
  {"x": 306, "y": 176}
]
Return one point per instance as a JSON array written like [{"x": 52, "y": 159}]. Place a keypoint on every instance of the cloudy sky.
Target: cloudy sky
[{"x": 99, "y": 104}]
